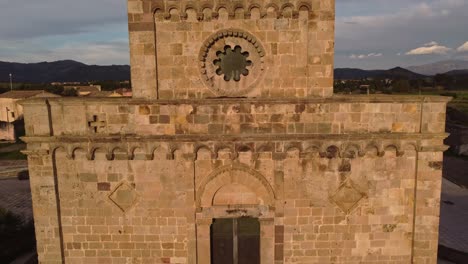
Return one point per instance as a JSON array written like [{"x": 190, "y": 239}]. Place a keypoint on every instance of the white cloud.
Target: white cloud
[
  {"x": 25, "y": 19},
  {"x": 435, "y": 48},
  {"x": 397, "y": 26},
  {"x": 430, "y": 44},
  {"x": 365, "y": 56},
  {"x": 463, "y": 48}
]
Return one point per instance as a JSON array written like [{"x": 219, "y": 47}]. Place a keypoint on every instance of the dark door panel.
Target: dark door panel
[
  {"x": 222, "y": 237},
  {"x": 235, "y": 241}
]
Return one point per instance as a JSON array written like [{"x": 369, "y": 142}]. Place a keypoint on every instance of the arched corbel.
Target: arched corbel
[{"x": 330, "y": 152}]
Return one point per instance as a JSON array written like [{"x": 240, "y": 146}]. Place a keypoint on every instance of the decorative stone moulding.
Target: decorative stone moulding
[
  {"x": 124, "y": 196},
  {"x": 347, "y": 196},
  {"x": 97, "y": 123},
  {"x": 213, "y": 52},
  {"x": 146, "y": 151},
  {"x": 209, "y": 10}
]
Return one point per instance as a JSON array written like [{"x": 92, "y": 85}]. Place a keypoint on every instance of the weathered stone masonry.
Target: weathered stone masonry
[{"x": 332, "y": 179}]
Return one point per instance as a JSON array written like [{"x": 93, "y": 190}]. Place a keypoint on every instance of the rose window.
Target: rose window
[{"x": 232, "y": 63}]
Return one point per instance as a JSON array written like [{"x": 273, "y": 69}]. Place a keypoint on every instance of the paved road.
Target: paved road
[
  {"x": 13, "y": 147},
  {"x": 15, "y": 196},
  {"x": 11, "y": 168},
  {"x": 454, "y": 216}
]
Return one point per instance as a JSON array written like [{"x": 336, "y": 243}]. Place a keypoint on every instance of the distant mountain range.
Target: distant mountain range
[
  {"x": 62, "y": 71},
  {"x": 73, "y": 71},
  {"x": 349, "y": 73},
  {"x": 450, "y": 67},
  {"x": 440, "y": 67}
]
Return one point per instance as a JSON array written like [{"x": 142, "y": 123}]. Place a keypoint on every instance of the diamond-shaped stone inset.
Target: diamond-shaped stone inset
[
  {"x": 347, "y": 196},
  {"x": 124, "y": 196}
]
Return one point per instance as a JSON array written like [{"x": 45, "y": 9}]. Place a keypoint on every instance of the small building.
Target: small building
[
  {"x": 11, "y": 113},
  {"x": 100, "y": 94},
  {"x": 83, "y": 90},
  {"x": 124, "y": 92}
]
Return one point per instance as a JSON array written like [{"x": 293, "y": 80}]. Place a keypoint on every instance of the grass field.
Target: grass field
[{"x": 460, "y": 102}]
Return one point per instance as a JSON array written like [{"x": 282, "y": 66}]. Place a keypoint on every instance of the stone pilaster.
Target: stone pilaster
[
  {"x": 141, "y": 27},
  {"x": 427, "y": 207},
  {"x": 203, "y": 241},
  {"x": 45, "y": 207}
]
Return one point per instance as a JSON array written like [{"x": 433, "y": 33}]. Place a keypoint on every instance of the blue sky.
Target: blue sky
[{"x": 370, "y": 34}]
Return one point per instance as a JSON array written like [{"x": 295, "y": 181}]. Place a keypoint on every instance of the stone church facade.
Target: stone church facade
[{"x": 233, "y": 120}]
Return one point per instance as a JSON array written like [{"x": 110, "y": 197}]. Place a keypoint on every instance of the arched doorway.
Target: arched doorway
[{"x": 235, "y": 217}]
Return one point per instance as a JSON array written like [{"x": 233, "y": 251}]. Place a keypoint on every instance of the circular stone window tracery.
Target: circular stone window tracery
[{"x": 232, "y": 62}]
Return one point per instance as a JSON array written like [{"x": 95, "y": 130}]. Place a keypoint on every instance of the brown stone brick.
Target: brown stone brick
[
  {"x": 103, "y": 186},
  {"x": 164, "y": 119},
  {"x": 88, "y": 177}
]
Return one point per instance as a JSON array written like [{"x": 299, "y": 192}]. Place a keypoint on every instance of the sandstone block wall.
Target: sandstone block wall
[
  {"x": 133, "y": 181},
  {"x": 290, "y": 43},
  {"x": 338, "y": 116}
]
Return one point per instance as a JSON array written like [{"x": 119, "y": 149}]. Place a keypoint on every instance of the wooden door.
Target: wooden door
[{"x": 235, "y": 241}]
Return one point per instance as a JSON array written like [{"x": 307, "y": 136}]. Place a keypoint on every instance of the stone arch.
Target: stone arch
[
  {"x": 222, "y": 12},
  {"x": 304, "y": 6},
  {"x": 220, "y": 147},
  {"x": 374, "y": 149},
  {"x": 254, "y": 11},
  {"x": 293, "y": 151},
  {"x": 158, "y": 12},
  {"x": 98, "y": 149},
  {"x": 61, "y": 150},
  {"x": 245, "y": 152},
  {"x": 351, "y": 151},
  {"x": 244, "y": 147},
  {"x": 206, "y": 12},
  {"x": 171, "y": 151},
  {"x": 313, "y": 147},
  {"x": 287, "y": 10},
  {"x": 266, "y": 147},
  {"x": 173, "y": 13},
  {"x": 396, "y": 147},
  {"x": 190, "y": 13},
  {"x": 304, "y": 10},
  {"x": 293, "y": 146},
  {"x": 158, "y": 152},
  {"x": 202, "y": 147},
  {"x": 410, "y": 146},
  {"x": 234, "y": 175},
  {"x": 330, "y": 151},
  {"x": 272, "y": 10},
  {"x": 76, "y": 150},
  {"x": 137, "y": 153},
  {"x": 118, "y": 152},
  {"x": 238, "y": 11}
]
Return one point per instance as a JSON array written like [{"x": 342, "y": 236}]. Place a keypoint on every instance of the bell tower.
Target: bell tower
[{"x": 209, "y": 49}]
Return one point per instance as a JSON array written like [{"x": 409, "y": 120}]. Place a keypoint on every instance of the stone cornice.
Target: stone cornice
[
  {"x": 237, "y": 138},
  {"x": 215, "y": 101},
  {"x": 211, "y": 9},
  {"x": 327, "y": 146}
]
